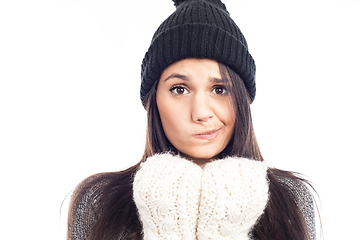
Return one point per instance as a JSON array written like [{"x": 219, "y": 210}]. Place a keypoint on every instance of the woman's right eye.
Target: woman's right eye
[{"x": 179, "y": 90}]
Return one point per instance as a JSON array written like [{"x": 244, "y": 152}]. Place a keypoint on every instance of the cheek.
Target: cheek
[
  {"x": 226, "y": 114},
  {"x": 168, "y": 117},
  {"x": 171, "y": 117}
]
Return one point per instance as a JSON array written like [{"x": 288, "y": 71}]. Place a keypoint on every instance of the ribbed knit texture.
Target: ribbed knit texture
[
  {"x": 198, "y": 29},
  {"x": 177, "y": 199}
]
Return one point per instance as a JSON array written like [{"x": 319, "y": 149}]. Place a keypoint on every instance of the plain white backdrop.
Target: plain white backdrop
[{"x": 70, "y": 105}]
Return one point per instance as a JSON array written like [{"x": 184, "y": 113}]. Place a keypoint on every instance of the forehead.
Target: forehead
[{"x": 192, "y": 68}]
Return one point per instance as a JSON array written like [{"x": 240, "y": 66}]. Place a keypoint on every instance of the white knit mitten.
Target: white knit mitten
[
  {"x": 166, "y": 192},
  {"x": 234, "y": 195}
]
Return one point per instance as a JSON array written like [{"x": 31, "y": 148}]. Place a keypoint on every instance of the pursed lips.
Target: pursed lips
[{"x": 208, "y": 135}]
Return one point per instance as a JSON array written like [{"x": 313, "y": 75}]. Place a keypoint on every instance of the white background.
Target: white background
[{"x": 70, "y": 106}]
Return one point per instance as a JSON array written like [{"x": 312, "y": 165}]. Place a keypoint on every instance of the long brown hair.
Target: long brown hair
[{"x": 102, "y": 206}]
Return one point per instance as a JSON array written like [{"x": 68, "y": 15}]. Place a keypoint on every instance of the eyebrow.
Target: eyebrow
[
  {"x": 217, "y": 80},
  {"x": 175, "y": 75},
  {"x": 185, "y": 78}
]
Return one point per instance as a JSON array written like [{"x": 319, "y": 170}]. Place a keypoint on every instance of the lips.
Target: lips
[{"x": 208, "y": 135}]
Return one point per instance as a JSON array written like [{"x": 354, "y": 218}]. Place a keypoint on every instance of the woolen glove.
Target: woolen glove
[
  {"x": 233, "y": 196},
  {"x": 166, "y": 192}
]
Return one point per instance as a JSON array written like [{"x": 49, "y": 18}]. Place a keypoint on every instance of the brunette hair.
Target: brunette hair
[{"x": 102, "y": 205}]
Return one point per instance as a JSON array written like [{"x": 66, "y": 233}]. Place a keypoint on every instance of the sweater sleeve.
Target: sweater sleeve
[
  {"x": 89, "y": 201},
  {"x": 304, "y": 200},
  {"x": 81, "y": 213}
]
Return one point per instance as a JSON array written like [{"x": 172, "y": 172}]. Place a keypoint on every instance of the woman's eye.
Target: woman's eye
[
  {"x": 178, "y": 90},
  {"x": 219, "y": 90}
]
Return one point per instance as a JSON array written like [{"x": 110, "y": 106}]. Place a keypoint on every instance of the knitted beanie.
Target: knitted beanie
[{"x": 198, "y": 29}]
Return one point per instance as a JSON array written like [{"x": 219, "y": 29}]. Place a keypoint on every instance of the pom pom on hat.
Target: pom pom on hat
[
  {"x": 198, "y": 29},
  {"x": 178, "y": 2},
  {"x": 216, "y": 2}
]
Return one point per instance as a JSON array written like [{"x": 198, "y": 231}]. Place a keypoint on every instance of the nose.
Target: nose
[{"x": 201, "y": 108}]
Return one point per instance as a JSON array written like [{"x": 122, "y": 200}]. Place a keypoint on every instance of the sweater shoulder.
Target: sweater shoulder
[
  {"x": 96, "y": 195},
  {"x": 85, "y": 202},
  {"x": 302, "y": 195}
]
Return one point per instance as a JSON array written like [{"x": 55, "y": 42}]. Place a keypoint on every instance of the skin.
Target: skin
[{"x": 195, "y": 108}]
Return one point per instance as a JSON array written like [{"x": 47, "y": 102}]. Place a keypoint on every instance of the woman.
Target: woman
[{"x": 202, "y": 175}]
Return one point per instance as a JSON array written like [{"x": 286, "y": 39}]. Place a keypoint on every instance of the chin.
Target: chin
[
  {"x": 201, "y": 160},
  {"x": 198, "y": 156}
]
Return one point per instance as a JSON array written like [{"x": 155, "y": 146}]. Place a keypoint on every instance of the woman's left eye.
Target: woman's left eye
[{"x": 219, "y": 90}]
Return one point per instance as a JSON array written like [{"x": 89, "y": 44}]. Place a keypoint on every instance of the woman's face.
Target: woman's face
[{"x": 195, "y": 109}]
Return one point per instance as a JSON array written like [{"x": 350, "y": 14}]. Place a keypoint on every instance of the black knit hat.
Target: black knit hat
[{"x": 198, "y": 29}]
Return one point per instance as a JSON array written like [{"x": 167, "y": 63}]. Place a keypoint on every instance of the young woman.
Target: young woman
[{"x": 202, "y": 175}]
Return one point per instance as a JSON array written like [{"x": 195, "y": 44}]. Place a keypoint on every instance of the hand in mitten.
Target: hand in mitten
[
  {"x": 234, "y": 195},
  {"x": 166, "y": 192}
]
